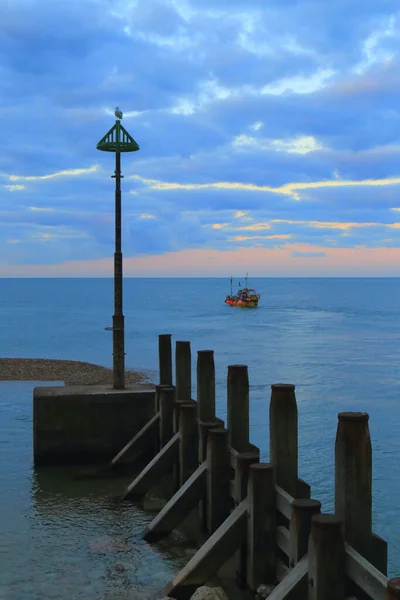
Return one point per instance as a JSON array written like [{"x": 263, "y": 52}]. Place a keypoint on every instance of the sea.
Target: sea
[{"x": 337, "y": 340}]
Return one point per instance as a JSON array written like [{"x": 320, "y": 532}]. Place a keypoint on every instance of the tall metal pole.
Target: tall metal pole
[
  {"x": 118, "y": 140},
  {"x": 118, "y": 317}
]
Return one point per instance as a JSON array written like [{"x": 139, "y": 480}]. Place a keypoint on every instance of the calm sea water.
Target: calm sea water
[{"x": 338, "y": 340}]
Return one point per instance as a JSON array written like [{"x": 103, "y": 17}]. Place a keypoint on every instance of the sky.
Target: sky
[{"x": 269, "y": 134}]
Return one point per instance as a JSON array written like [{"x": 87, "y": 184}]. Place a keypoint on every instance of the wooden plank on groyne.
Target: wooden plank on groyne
[
  {"x": 157, "y": 468},
  {"x": 179, "y": 506},
  {"x": 213, "y": 554},
  {"x": 139, "y": 443}
]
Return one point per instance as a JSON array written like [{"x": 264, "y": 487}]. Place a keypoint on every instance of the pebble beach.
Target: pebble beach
[{"x": 71, "y": 372}]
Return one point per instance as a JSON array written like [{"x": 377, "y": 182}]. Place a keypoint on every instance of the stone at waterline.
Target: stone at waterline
[
  {"x": 281, "y": 570},
  {"x": 209, "y": 593},
  {"x": 264, "y": 590}
]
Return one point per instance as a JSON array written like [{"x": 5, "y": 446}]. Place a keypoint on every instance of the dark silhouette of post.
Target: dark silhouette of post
[
  {"x": 118, "y": 140},
  {"x": 118, "y": 317}
]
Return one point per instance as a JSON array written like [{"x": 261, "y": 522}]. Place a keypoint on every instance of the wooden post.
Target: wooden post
[
  {"x": 156, "y": 399},
  {"x": 393, "y": 589},
  {"x": 165, "y": 358},
  {"x": 283, "y": 436},
  {"x": 203, "y": 429},
  {"x": 177, "y": 408},
  {"x": 183, "y": 371},
  {"x": 238, "y": 407},
  {"x": 218, "y": 458},
  {"x": 326, "y": 559},
  {"x": 261, "y": 536},
  {"x": 353, "y": 487},
  {"x": 156, "y": 445},
  {"x": 353, "y": 478},
  {"x": 188, "y": 452},
  {"x": 205, "y": 404},
  {"x": 206, "y": 385},
  {"x": 166, "y": 396},
  {"x": 300, "y": 528},
  {"x": 242, "y": 462}
]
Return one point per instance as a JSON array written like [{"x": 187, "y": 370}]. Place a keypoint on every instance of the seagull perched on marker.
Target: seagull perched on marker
[{"x": 118, "y": 113}]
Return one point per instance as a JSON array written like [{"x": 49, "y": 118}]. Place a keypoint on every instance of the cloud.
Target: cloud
[
  {"x": 289, "y": 189},
  {"x": 308, "y": 254},
  {"x": 264, "y": 127},
  {"x": 301, "y": 145},
  {"x": 277, "y": 236},
  {"x": 13, "y": 188},
  {"x": 67, "y": 173}
]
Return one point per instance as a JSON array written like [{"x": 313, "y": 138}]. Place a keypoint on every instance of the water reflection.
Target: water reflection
[
  {"x": 92, "y": 542},
  {"x": 63, "y": 537}
]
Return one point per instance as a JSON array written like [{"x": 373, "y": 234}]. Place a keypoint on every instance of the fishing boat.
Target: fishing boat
[{"x": 245, "y": 298}]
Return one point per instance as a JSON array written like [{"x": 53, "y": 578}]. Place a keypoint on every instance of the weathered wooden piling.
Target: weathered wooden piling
[
  {"x": 166, "y": 398},
  {"x": 218, "y": 458},
  {"x": 156, "y": 398},
  {"x": 283, "y": 439},
  {"x": 188, "y": 450},
  {"x": 205, "y": 372},
  {"x": 238, "y": 407},
  {"x": 283, "y": 436},
  {"x": 261, "y": 532},
  {"x": 165, "y": 358},
  {"x": 206, "y": 385},
  {"x": 183, "y": 371},
  {"x": 300, "y": 527},
  {"x": 183, "y": 378},
  {"x": 326, "y": 559},
  {"x": 353, "y": 487},
  {"x": 241, "y": 462}
]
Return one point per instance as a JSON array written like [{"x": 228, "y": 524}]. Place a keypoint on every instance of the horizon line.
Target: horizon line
[{"x": 213, "y": 277}]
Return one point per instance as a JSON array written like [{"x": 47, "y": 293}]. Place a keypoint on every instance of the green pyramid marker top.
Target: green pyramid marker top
[{"x": 117, "y": 140}]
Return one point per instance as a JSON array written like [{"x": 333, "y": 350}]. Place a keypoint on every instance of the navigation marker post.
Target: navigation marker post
[{"x": 118, "y": 140}]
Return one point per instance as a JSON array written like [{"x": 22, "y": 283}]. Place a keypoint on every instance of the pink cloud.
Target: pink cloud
[{"x": 262, "y": 262}]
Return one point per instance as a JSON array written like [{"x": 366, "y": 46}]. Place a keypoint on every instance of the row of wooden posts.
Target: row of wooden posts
[{"x": 257, "y": 512}]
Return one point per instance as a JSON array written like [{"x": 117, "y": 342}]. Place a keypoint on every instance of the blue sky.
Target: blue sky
[{"x": 269, "y": 136}]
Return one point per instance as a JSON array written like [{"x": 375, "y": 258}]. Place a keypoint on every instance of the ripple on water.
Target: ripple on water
[
  {"x": 337, "y": 340},
  {"x": 65, "y": 538}
]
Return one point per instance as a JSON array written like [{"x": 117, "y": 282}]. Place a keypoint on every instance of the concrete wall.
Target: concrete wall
[{"x": 87, "y": 424}]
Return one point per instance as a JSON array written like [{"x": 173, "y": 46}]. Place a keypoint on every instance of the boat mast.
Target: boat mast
[
  {"x": 246, "y": 279},
  {"x": 231, "y": 286}
]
